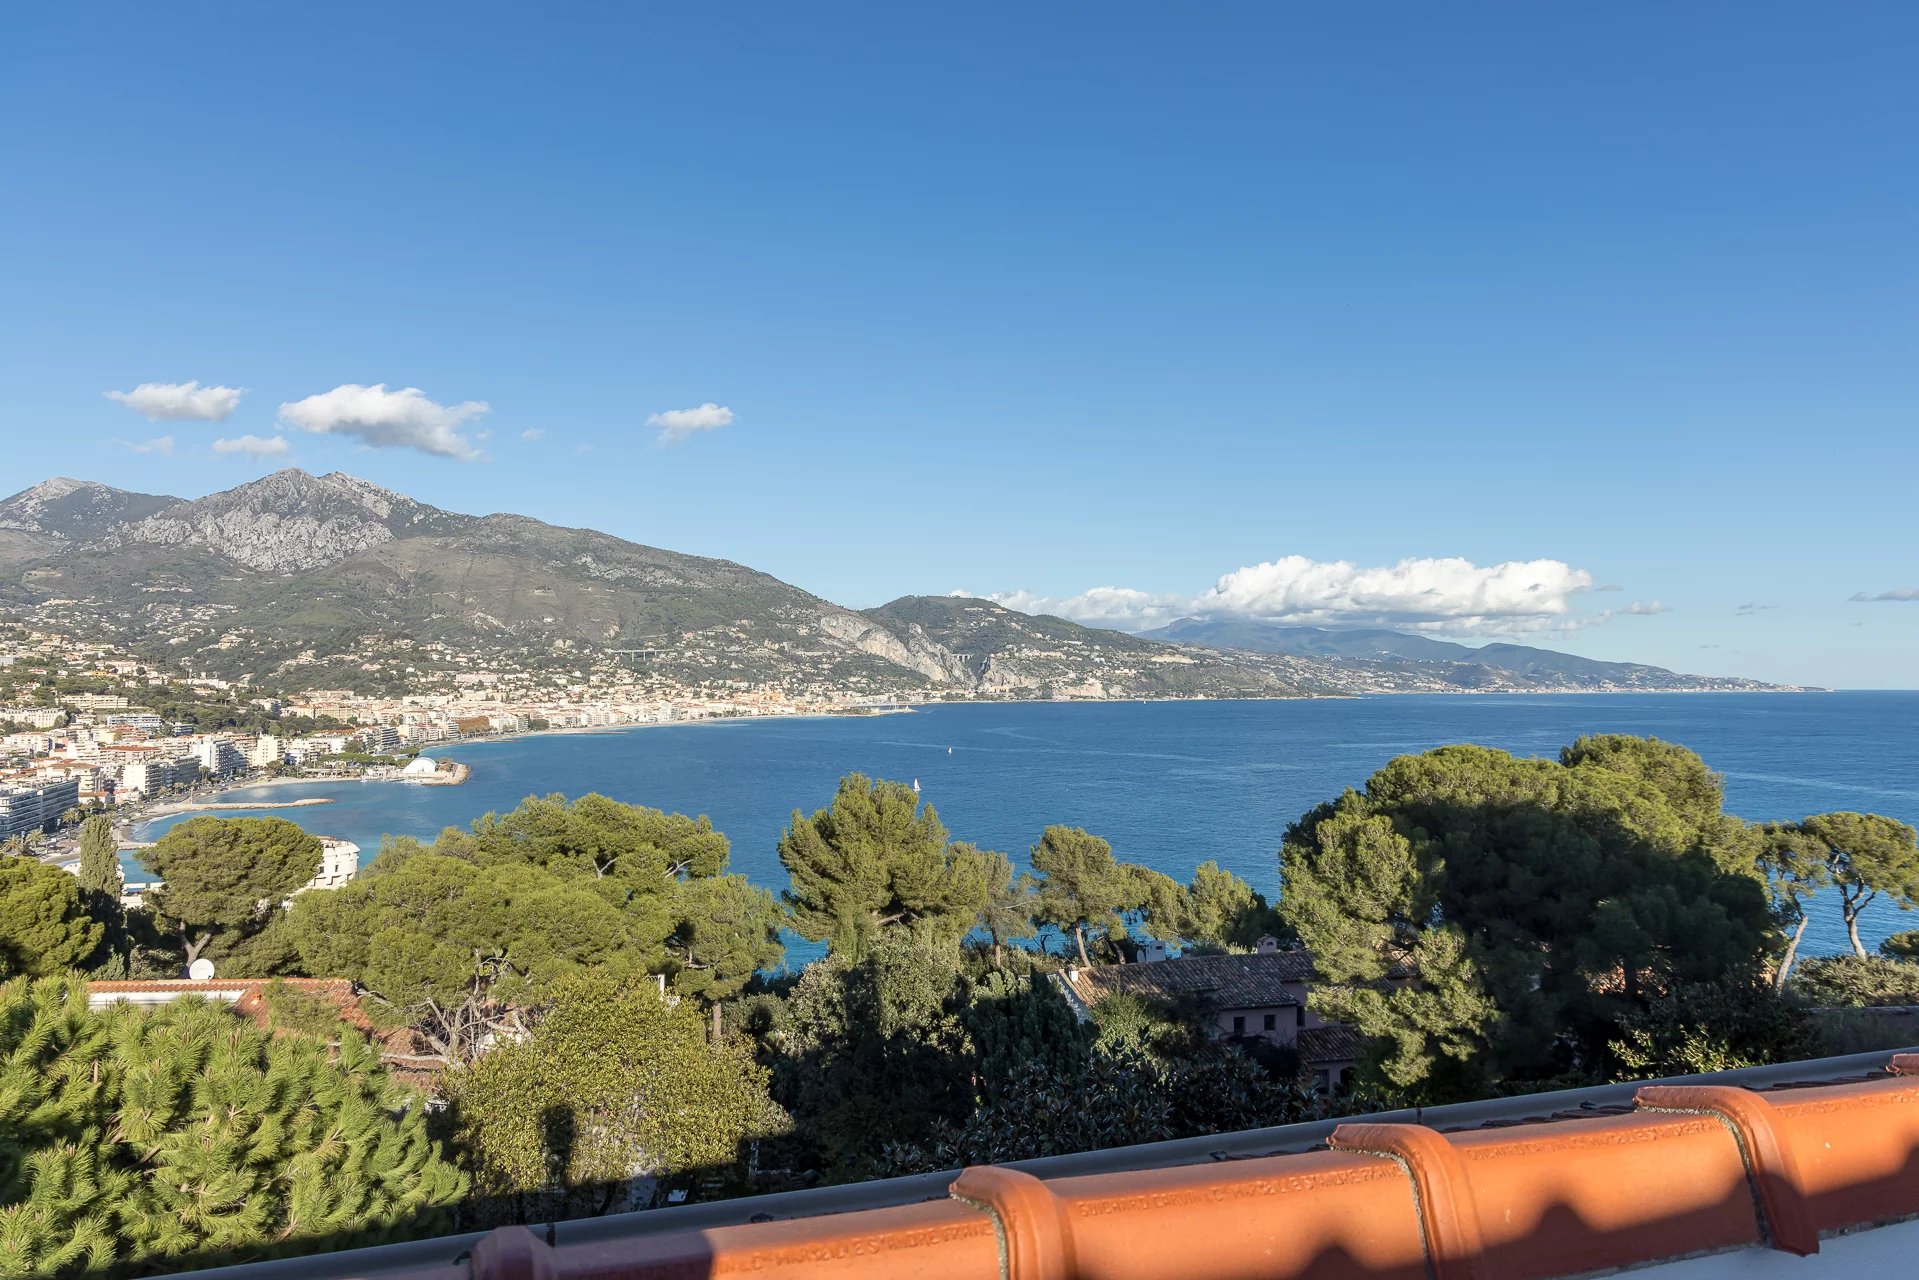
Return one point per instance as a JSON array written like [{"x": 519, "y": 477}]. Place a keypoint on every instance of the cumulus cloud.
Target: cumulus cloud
[
  {"x": 1899, "y": 594},
  {"x": 180, "y": 401},
  {"x": 679, "y": 424},
  {"x": 253, "y": 446},
  {"x": 382, "y": 419},
  {"x": 158, "y": 444},
  {"x": 1119, "y": 607},
  {"x": 1642, "y": 609},
  {"x": 1430, "y": 594},
  {"x": 532, "y": 434}
]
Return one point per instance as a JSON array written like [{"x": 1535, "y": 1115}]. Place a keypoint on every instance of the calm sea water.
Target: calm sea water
[{"x": 1171, "y": 784}]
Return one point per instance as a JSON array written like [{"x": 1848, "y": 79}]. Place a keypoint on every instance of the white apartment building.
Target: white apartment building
[
  {"x": 34, "y": 717},
  {"x": 339, "y": 863},
  {"x": 219, "y": 757},
  {"x": 99, "y": 702},
  {"x": 151, "y": 776},
  {"x": 380, "y": 740},
  {"x": 268, "y": 749},
  {"x": 25, "y": 810}
]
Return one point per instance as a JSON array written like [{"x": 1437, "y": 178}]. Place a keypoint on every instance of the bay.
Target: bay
[{"x": 1171, "y": 784}]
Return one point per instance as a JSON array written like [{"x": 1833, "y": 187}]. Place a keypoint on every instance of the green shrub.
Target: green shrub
[
  {"x": 135, "y": 1140},
  {"x": 1856, "y": 981}
]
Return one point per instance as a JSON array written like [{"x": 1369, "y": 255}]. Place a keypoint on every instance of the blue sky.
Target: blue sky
[{"x": 1027, "y": 298}]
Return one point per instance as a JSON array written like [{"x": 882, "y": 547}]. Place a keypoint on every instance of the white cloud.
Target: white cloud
[
  {"x": 532, "y": 433},
  {"x": 178, "y": 401},
  {"x": 383, "y": 419},
  {"x": 678, "y": 424},
  {"x": 158, "y": 444},
  {"x": 1641, "y": 609},
  {"x": 1898, "y": 594},
  {"x": 253, "y": 446},
  {"x": 1432, "y": 594},
  {"x": 1120, "y": 607}
]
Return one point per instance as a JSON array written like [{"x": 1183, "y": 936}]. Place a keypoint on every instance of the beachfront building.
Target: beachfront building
[
  {"x": 153, "y": 774},
  {"x": 420, "y": 767},
  {"x": 32, "y": 809},
  {"x": 219, "y": 757}
]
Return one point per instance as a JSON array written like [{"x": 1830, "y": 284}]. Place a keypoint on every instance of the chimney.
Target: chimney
[{"x": 1267, "y": 945}]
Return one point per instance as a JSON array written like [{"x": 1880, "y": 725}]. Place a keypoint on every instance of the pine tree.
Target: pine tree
[
  {"x": 44, "y": 925},
  {"x": 132, "y": 1139}
]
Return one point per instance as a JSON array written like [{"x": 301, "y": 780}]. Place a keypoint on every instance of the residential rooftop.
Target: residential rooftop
[{"x": 1229, "y": 982}]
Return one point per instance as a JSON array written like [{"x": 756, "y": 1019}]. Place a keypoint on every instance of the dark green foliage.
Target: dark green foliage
[
  {"x": 99, "y": 856},
  {"x": 875, "y": 1050},
  {"x": 1115, "y": 1100},
  {"x": 1793, "y": 862},
  {"x": 44, "y": 925},
  {"x": 1856, "y": 982},
  {"x": 877, "y": 858},
  {"x": 1696, "y": 1027},
  {"x": 614, "y": 1090},
  {"x": 1227, "y": 912},
  {"x": 1083, "y": 889},
  {"x": 133, "y": 1140},
  {"x": 1017, "y": 1022},
  {"x": 728, "y": 929},
  {"x": 1865, "y": 855},
  {"x": 1007, "y": 915},
  {"x": 458, "y": 938},
  {"x": 455, "y": 949},
  {"x": 227, "y": 874},
  {"x": 1159, "y": 1030},
  {"x": 596, "y": 838},
  {"x": 1539, "y": 902},
  {"x": 1901, "y": 946},
  {"x": 1216, "y": 911}
]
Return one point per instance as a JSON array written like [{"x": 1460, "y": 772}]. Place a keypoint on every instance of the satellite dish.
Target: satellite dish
[{"x": 201, "y": 970}]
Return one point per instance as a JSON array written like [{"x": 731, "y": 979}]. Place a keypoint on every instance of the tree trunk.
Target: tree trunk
[
  {"x": 1851, "y": 904},
  {"x": 1079, "y": 935},
  {"x": 193, "y": 948},
  {"x": 716, "y": 1023},
  {"x": 1792, "y": 954}
]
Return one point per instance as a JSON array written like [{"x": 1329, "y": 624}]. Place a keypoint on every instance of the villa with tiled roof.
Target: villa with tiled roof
[{"x": 1257, "y": 996}]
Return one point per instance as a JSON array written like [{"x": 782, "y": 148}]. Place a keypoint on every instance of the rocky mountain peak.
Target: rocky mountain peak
[
  {"x": 75, "y": 510},
  {"x": 291, "y": 520}
]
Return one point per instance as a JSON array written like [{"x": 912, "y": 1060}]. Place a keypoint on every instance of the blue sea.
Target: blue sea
[{"x": 1171, "y": 784}]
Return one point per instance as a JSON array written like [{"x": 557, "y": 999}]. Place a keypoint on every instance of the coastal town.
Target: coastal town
[{"x": 85, "y": 728}]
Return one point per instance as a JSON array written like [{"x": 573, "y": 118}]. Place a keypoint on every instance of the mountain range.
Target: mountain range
[{"x": 302, "y": 581}]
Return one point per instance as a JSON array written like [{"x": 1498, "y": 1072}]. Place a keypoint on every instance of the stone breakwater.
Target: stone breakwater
[{"x": 192, "y": 806}]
